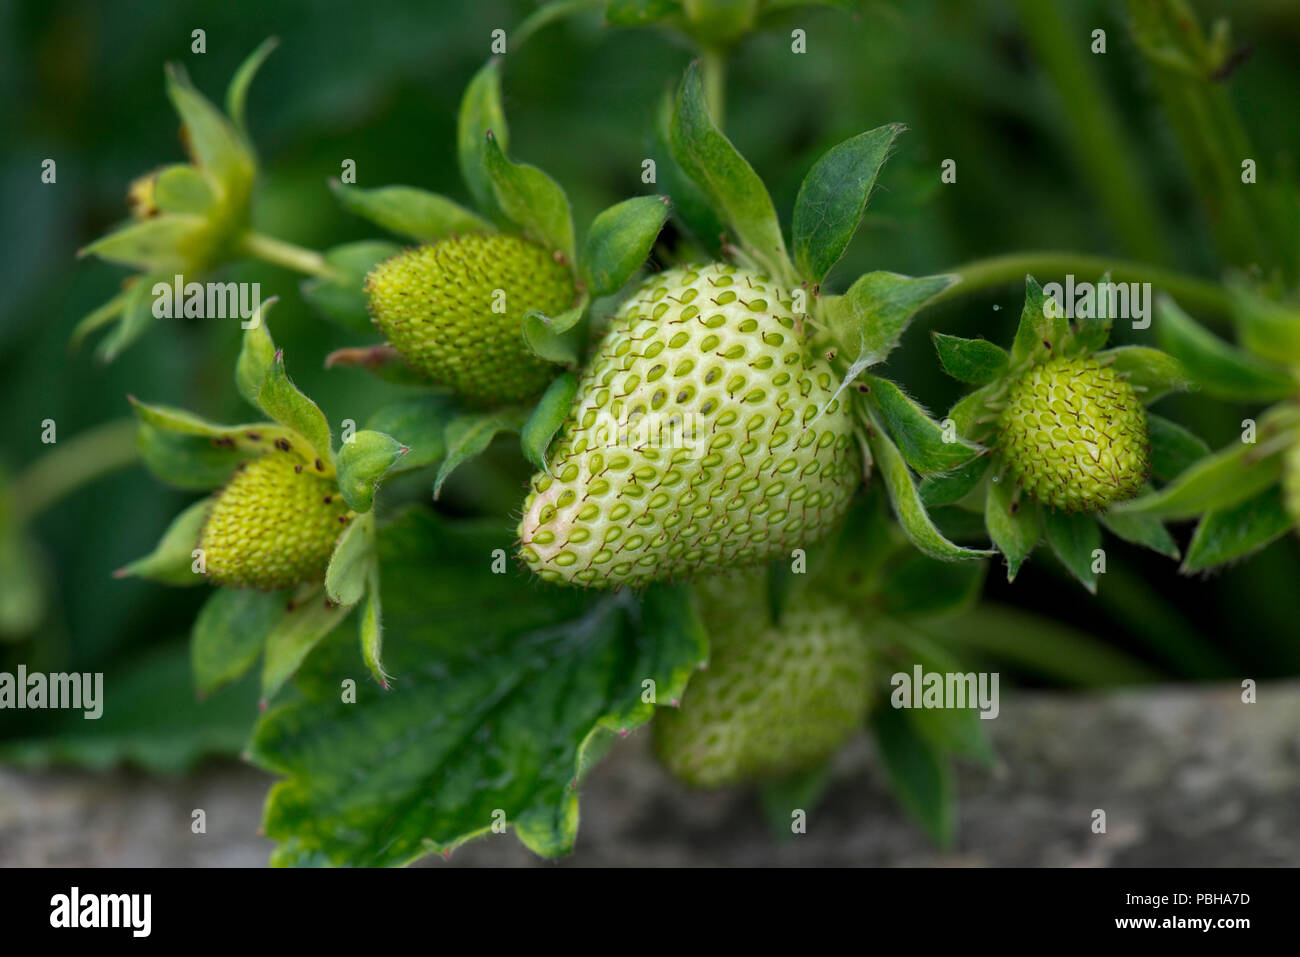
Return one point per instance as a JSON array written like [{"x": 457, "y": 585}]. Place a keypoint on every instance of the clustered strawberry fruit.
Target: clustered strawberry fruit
[
  {"x": 776, "y": 699},
  {"x": 454, "y": 311},
  {"x": 1075, "y": 435},
  {"x": 703, "y": 436},
  {"x": 274, "y": 524}
]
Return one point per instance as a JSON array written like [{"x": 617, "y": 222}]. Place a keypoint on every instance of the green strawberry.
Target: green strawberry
[
  {"x": 1075, "y": 435},
  {"x": 273, "y": 525},
  {"x": 775, "y": 699},
  {"x": 703, "y": 436},
  {"x": 454, "y": 311}
]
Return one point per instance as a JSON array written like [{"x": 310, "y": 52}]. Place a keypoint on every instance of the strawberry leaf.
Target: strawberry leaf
[
  {"x": 468, "y": 435},
  {"x": 973, "y": 361},
  {"x": 237, "y": 91},
  {"x": 1144, "y": 530},
  {"x": 1043, "y": 327},
  {"x": 284, "y": 402},
  {"x": 1074, "y": 538},
  {"x": 1268, "y": 329},
  {"x": 547, "y": 419},
  {"x": 256, "y": 356},
  {"x": 918, "y": 773},
  {"x": 362, "y": 461},
  {"x": 619, "y": 241},
  {"x": 341, "y": 297},
  {"x": 293, "y": 637},
  {"x": 1228, "y": 534},
  {"x": 480, "y": 111},
  {"x": 530, "y": 199},
  {"x": 1223, "y": 371},
  {"x": 1014, "y": 526},
  {"x": 501, "y": 705},
  {"x": 1151, "y": 372},
  {"x": 728, "y": 182},
  {"x": 230, "y": 633},
  {"x": 923, "y": 442},
  {"x": 349, "y": 567},
  {"x": 421, "y": 421},
  {"x": 1216, "y": 482},
  {"x": 1173, "y": 448},
  {"x": 868, "y": 321},
  {"x": 409, "y": 211},
  {"x": 556, "y": 339},
  {"x": 172, "y": 560},
  {"x": 950, "y": 487},
  {"x": 833, "y": 198}
]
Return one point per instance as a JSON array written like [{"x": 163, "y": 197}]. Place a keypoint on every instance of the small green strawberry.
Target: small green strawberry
[
  {"x": 273, "y": 525},
  {"x": 454, "y": 311},
  {"x": 703, "y": 436},
  {"x": 776, "y": 699},
  {"x": 1075, "y": 435}
]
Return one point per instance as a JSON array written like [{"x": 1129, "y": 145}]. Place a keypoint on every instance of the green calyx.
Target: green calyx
[
  {"x": 274, "y": 525},
  {"x": 1074, "y": 435},
  {"x": 703, "y": 436},
  {"x": 454, "y": 311},
  {"x": 776, "y": 699}
]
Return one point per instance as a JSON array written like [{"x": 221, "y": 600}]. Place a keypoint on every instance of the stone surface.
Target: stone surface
[{"x": 1187, "y": 776}]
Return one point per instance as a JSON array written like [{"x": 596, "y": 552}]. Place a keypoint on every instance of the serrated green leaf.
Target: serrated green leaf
[
  {"x": 918, "y": 774},
  {"x": 974, "y": 361},
  {"x": 256, "y": 356},
  {"x": 284, "y": 402},
  {"x": 1173, "y": 448},
  {"x": 921, "y": 440},
  {"x": 908, "y": 508},
  {"x": 421, "y": 422},
  {"x": 237, "y": 91},
  {"x": 947, "y": 488},
  {"x": 558, "y": 339},
  {"x": 1043, "y": 327},
  {"x": 1216, "y": 482},
  {"x": 1013, "y": 522},
  {"x": 1074, "y": 537},
  {"x": 868, "y": 320},
  {"x": 362, "y": 461},
  {"x": 341, "y": 297},
  {"x": 547, "y": 418},
  {"x": 230, "y": 632},
  {"x": 727, "y": 181},
  {"x": 409, "y": 211},
  {"x": 182, "y": 189},
  {"x": 619, "y": 241},
  {"x": 1150, "y": 372},
  {"x": 349, "y": 567},
  {"x": 833, "y": 198},
  {"x": 1221, "y": 370},
  {"x": 172, "y": 560},
  {"x": 509, "y": 700},
  {"x": 1144, "y": 530},
  {"x": 469, "y": 434},
  {"x": 1225, "y": 535},
  {"x": 293, "y": 637},
  {"x": 530, "y": 199}
]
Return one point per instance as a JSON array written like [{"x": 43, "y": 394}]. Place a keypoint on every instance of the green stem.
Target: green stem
[
  {"x": 1195, "y": 295},
  {"x": 276, "y": 251},
  {"x": 713, "y": 65},
  {"x": 72, "y": 463},
  {"x": 1097, "y": 140}
]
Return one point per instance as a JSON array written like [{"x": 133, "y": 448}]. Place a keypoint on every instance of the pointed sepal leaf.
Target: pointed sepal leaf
[
  {"x": 1228, "y": 534},
  {"x": 237, "y": 91},
  {"x": 1043, "y": 327},
  {"x": 833, "y": 198},
  {"x": 284, "y": 402},
  {"x": 973, "y": 361},
  {"x": 340, "y": 296},
  {"x": 1223, "y": 371},
  {"x": 256, "y": 356},
  {"x": 421, "y": 421},
  {"x": 172, "y": 560},
  {"x": 1150, "y": 372},
  {"x": 927, "y": 446},
  {"x": 230, "y": 633},
  {"x": 619, "y": 241},
  {"x": 1174, "y": 449},
  {"x": 727, "y": 181},
  {"x": 362, "y": 461},
  {"x": 868, "y": 321},
  {"x": 918, "y": 773},
  {"x": 409, "y": 211},
  {"x": 1013, "y": 522},
  {"x": 546, "y": 420},
  {"x": 468, "y": 435},
  {"x": 1144, "y": 530},
  {"x": 349, "y": 567},
  {"x": 1219, "y": 481},
  {"x": 530, "y": 199},
  {"x": 294, "y": 635},
  {"x": 480, "y": 111},
  {"x": 1075, "y": 538},
  {"x": 556, "y": 338}
]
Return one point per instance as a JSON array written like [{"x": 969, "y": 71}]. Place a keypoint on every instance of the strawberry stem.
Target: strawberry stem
[{"x": 280, "y": 253}]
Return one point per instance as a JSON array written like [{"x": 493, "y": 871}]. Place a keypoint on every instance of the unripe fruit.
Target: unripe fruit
[
  {"x": 694, "y": 442},
  {"x": 775, "y": 699},
  {"x": 454, "y": 311},
  {"x": 1075, "y": 435},
  {"x": 1291, "y": 480},
  {"x": 274, "y": 525}
]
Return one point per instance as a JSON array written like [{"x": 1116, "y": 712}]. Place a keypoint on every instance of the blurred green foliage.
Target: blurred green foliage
[{"x": 379, "y": 83}]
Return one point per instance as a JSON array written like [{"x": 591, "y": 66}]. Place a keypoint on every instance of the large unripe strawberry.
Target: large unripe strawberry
[
  {"x": 274, "y": 525},
  {"x": 775, "y": 699},
  {"x": 703, "y": 436},
  {"x": 1075, "y": 435},
  {"x": 454, "y": 311}
]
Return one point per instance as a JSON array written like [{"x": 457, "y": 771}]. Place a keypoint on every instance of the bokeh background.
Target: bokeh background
[{"x": 379, "y": 83}]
